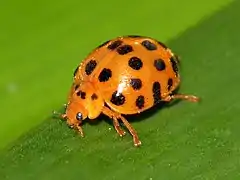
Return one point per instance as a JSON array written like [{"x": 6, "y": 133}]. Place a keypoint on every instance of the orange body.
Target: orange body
[{"x": 126, "y": 75}]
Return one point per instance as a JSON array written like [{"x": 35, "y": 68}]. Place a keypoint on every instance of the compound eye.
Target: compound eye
[{"x": 79, "y": 116}]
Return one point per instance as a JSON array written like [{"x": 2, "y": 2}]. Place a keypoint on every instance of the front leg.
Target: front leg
[
  {"x": 79, "y": 129},
  {"x": 115, "y": 116}
]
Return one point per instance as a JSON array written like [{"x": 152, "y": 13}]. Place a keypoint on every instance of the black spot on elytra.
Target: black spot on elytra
[
  {"x": 75, "y": 72},
  {"x": 134, "y": 36},
  {"x": 140, "y": 102},
  {"x": 162, "y": 44},
  {"x": 81, "y": 94},
  {"x": 136, "y": 83},
  {"x": 90, "y": 66},
  {"x": 105, "y": 75},
  {"x": 124, "y": 49},
  {"x": 117, "y": 98},
  {"x": 135, "y": 63},
  {"x": 76, "y": 87},
  {"x": 159, "y": 64},
  {"x": 94, "y": 96},
  {"x": 170, "y": 83},
  {"x": 114, "y": 44},
  {"x": 103, "y": 44},
  {"x": 156, "y": 89},
  {"x": 174, "y": 65},
  {"x": 149, "y": 45}
]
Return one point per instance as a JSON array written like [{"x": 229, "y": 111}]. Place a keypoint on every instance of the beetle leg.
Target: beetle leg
[
  {"x": 79, "y": 129},
  {"x": 116, "y": 124},
  {"x": 190, "y": 98},
  {"x": 117, "y": 127},
  {"x": 115, "y": 116}
]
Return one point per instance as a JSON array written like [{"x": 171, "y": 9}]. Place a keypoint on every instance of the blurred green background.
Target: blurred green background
[{"x": 42, "y": 42}]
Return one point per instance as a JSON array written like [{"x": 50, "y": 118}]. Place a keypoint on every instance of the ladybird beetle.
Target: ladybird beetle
[{"x": 123, "y": 76}]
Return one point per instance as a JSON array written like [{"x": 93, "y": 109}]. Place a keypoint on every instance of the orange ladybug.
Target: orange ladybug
[{"x": 126, "y": 75}]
